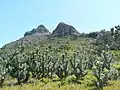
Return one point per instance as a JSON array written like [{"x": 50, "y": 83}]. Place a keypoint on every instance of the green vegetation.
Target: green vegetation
[{"x": 59, "y": 63}]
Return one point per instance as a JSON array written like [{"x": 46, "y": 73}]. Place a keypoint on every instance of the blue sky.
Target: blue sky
[{"x": 19, "y": 16}]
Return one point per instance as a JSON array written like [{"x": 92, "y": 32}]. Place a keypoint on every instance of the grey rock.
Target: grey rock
[
  {"x": 40, "y": 30},
  {"x": 65, "y": 30}
]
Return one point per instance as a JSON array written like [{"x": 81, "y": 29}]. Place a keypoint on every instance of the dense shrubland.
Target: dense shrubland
[
  {"x": 68, "y": 59},
  {"x": 110, "y": 38}
]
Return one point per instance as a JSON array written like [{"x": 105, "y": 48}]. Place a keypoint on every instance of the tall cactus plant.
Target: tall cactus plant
[
  {"x": 62, "y": 68},
  {"x": 102, "y": 69},
  {"x": 79, "y": 64},
  {"x": 3, "y": 70}
]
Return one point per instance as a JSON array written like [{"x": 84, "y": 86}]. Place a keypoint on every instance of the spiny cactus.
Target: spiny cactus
[
  {"x": 3, "y": 70},
  {"x": 109, "y": 38},
  {"x": 17, "y": 66},
  {"x": 102, "y": 69},
  {"x": 19, "y": 69},
  {"x": 42, "y": 63},
  {"x": 79, "y": 64},
  {"x": 60, "y": 60},
  {"x": 62, "y": 68}
]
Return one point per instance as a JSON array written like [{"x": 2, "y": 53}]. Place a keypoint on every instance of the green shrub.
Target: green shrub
[
  {"x": 117, "y": 66},
  {"x": 45, "y": 80},
  {"x": 55, "y": 78},
  {"x": 71, "y": 79},
  {"x": 88, "y": 79}
]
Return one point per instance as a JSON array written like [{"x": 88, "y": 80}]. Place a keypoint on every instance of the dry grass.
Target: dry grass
[{"x": 114, "y": 85}]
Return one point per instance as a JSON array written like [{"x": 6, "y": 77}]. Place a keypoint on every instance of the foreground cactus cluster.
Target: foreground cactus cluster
[{"x": 57, "y": 59}]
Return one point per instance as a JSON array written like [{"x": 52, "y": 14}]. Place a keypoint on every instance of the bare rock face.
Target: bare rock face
[
  {"x": 65, "y": 30},
  {"x": 41, "y": 34},
  {"x": 34, "y": 36},
  {"x": 40, "y": 30}
]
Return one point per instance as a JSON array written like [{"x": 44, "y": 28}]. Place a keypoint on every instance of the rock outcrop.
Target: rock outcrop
[
  {"x": 34, "y": 36},
  {"x": 40, "y": 30},
  {"x": 65, "y": 30},
  {"x": 40, "y": 34}
]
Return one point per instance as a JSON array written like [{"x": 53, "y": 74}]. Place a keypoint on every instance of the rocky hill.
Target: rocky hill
[
  {"x": 40, "y": 30},
  {"x": 35, "y": 36},
  {"x": 31, "y": 37},
  {"x": 65, "y": 30}
]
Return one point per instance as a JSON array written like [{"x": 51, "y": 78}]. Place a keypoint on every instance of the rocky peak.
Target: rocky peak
[
  {"x": 40, "y": 30},
  {"x": 65, "y": 30},
  {"x": 41, "y": 27}
]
